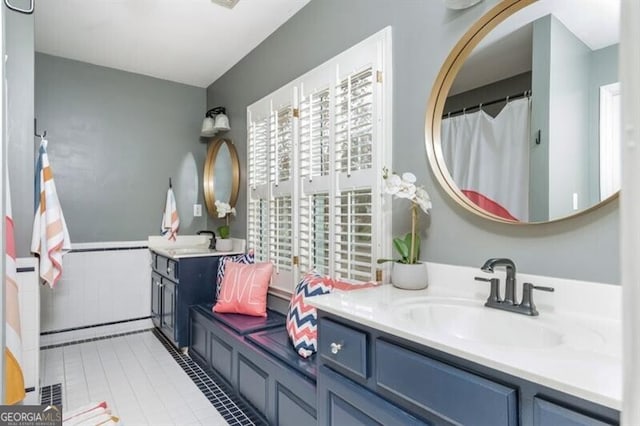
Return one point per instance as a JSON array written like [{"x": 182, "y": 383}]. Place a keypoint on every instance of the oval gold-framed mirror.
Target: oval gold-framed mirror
[
  {"x": 221, "y": 174},
  {"x": 569, "y": 170}
]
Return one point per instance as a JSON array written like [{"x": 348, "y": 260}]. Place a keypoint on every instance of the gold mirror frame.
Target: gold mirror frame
[
  {"x": 209, "y": 178},
  {"x": 439, "y": 93}
]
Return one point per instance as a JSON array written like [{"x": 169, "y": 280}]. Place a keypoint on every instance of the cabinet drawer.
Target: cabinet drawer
[
  {"x": 444, "y": 390},
  {"x": 342, "y": 402},
  {"x": 343, "y": 346},
  {"x": 546, "y": 413},
  {"x": 165, "y": 266}
]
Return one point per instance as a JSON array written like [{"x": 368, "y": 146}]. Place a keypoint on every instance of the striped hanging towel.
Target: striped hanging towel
[
  {"x": 170, "y": 218},
  {"x": 50, "y": 238},
  {"x": 14, "y": 379}
]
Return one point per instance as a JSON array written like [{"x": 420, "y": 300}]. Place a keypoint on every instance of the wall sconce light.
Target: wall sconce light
[
  {"x": 215, "y": 120},
  {"x": 460, "y": 4}
]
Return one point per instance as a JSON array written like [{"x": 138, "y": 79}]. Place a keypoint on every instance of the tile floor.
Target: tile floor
[{"x": 137, "y": 376}]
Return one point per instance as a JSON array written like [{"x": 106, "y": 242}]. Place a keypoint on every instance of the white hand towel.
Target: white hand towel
[
  {"x": 170, "y": 218},
  {"x": 50, "y": 239}
]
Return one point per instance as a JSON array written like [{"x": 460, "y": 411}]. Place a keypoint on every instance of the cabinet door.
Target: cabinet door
[
  {"x": 156, "y": 282},
  {"x": 168, "y": 307},
  {"x": 546, "y": 413},
  {"x": 343, "y": 402}
]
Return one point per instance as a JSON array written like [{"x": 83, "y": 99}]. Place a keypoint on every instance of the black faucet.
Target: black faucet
[
  {"x": 212, "y": 242},
  {"x": 510, "y": 282},
  {"x": 526, "y": 307}
]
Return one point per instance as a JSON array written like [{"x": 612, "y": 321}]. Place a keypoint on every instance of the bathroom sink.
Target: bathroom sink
[{"x": 471, "y": 321}]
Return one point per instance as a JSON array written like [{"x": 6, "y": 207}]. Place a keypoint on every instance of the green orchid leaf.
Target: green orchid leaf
[
  {"x": 403, "y": 249},
  {"x": 416, "y": 247}
]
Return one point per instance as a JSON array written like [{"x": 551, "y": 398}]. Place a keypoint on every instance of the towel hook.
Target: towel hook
[
  {"x": 28, "y": 11},
  {"x": 170, "y": 186},
  {"x": 35, "y": 130}
]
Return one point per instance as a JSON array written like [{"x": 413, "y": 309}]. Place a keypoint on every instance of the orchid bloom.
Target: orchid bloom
[
  {"x": 224, "y": 209},
  {"x": 405, "y": 187}
]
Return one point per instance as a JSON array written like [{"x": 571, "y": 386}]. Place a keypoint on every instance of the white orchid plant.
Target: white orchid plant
[
  {"x": 405, "y": 186},
  {"x": 224, "y": 210}
]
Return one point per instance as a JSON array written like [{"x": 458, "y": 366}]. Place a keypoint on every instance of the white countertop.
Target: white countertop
[
  {"x": 587, "y": 363},
  {"x": 178, "y": 253},
  {"x": 190, "y": 246}
]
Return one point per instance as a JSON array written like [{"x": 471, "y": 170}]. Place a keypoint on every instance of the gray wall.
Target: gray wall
[
  {"x": 604, "y": 70},
  {"x": 539, "y": 154},
  {"x": 568, "y": 121},
  {"x": 423, "y": 34},
  {"x": 115, "y": 138},
  {"x": 19, "y": 44}
]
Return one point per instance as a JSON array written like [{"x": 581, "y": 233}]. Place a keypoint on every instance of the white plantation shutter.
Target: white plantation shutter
[
  {"x": 314, "y": 233},
  {"x": 324, "y": 160},
  {"x": 282, "y": 172},
  {"x": 258, "y": 186},
  {"x": 358, "y": 172},
  {"x": 315, "y": 178},
  {"x": 354, "y": 256}
]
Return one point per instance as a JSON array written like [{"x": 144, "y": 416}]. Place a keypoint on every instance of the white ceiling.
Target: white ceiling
[
  {"x": 595, "y": 22},
  {"x": 188, "y": 41}
]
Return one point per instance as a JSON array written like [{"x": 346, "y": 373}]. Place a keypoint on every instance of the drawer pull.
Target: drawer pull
[
  {"x": 335, "y": 347},
  {"x": 168, "y": 270},
  {"x": 157, "y": 283}
]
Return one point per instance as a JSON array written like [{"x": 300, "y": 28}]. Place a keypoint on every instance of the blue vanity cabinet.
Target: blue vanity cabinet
[
  {"x": 367, "y": 376},
  {"x": 177, "y": 284}
]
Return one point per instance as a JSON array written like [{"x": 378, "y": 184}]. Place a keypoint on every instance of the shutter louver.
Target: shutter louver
[
  {"x": 354, "y": 251},
  {"x": 257, "y": 229},
  {"x": 314, "y": 135},
  {"x": 354, "y": 122},
  {"x": 258, "y": 178},
  {"x": 314, "y": 233},
  {"x": 281, "y": 235},
  {"x": 281, "y": 144}
]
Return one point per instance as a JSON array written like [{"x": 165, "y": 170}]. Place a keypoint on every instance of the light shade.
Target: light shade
[
  {"x": 215, "y": 120},
  {"x": 208, "y": 127},
  {"x": 221, "y": 123}
]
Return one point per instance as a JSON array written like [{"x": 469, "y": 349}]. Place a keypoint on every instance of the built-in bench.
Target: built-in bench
[{"x": 254, "y": 356}]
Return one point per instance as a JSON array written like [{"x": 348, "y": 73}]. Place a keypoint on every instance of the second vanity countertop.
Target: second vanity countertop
[
  {"x": 586, "y": 362},
  {"x": 190, "y": 246}
]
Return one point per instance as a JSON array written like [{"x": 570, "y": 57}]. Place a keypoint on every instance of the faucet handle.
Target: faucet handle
[
  {"x": 527, "y": 299},
  {"x": 494, "y": 295}
]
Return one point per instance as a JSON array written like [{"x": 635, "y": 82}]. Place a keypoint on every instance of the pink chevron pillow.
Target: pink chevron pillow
[
  {"x": 302, "y": 319},
  {"x": 244, "y": 289}
]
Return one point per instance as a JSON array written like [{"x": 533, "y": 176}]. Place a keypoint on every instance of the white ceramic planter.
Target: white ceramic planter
[
  {"x": 409, "y": 276},
  {"x": 224, "y": 244}
]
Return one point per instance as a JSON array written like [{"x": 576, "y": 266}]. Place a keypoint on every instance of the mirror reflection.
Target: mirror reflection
[
  {"x": 530, "y": 126},
  {"x": 221, "y": 175}
]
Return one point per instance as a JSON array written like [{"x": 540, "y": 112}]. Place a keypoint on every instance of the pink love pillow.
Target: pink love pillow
[{"x": 244, "y": 289}]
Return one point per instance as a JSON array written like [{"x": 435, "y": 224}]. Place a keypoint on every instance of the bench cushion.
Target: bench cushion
[
  {"x": 243, "y": 324},
  {"x": 276, "y": 342}
]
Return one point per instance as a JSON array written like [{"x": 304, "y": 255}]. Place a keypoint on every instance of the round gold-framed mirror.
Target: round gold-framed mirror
[
  {"x": 509, "y": 60},
  {"x": 221, "y": 174}
]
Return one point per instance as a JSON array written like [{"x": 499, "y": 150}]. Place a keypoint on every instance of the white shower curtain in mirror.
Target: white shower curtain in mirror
[{"x": 488, "y": 158}]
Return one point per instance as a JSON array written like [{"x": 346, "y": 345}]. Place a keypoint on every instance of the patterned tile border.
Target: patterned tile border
[
  {"x": 234, "y": 411},
  {"x": 93, "y": 339}
]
